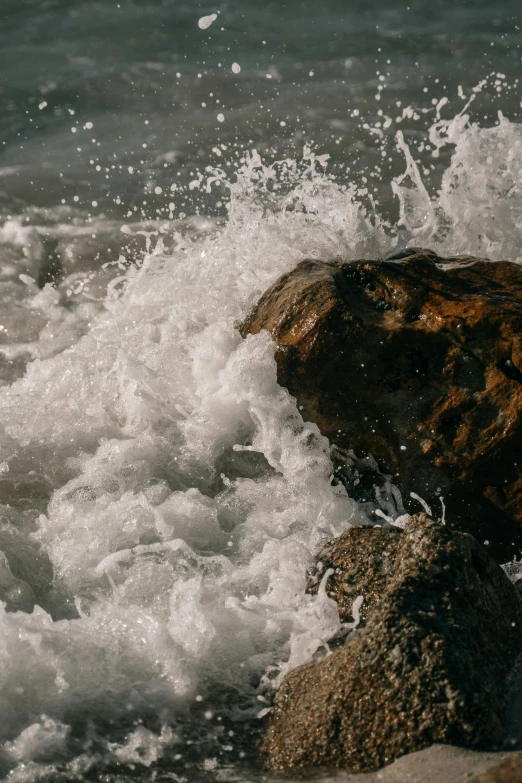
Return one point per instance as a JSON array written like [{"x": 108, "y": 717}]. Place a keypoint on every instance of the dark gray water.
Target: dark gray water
[
  {"x": 153, "y": 84},
  {"x": 160, "y": 496}
]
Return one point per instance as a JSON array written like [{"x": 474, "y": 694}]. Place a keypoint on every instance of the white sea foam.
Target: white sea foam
[
  {"x": 163, "y": 489},
  {"x": 478, "y": 210}
]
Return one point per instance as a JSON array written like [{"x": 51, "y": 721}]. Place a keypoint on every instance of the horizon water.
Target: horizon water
[{"x": 161, "y": 165}]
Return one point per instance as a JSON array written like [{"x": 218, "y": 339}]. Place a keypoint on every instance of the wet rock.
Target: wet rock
[
  {"x": 509, "y": 771},
  {"x": 363, "y": 562},
  {"x": 441, "y": 627},
  {"x": 417, "y": 361}
]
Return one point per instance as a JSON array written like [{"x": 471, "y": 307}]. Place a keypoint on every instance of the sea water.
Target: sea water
[{"x": 161, "y": 496}]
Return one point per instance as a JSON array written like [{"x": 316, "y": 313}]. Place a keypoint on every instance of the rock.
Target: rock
[
  {"x": 509, "y": 771},
  {"x": 416, "y": 360},
  {"x": 441, "y": 628},
  {"x": 363, "y": 562}
]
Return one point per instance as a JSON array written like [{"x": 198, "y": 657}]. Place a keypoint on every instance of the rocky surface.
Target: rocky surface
[
  {"x": 363, "y": 562},
  {"x": 509, "y": 771},
  {"x": 441, "y": 627},
  {"x": 436, "y": 764},
  {"x": 416, "y": 360}
]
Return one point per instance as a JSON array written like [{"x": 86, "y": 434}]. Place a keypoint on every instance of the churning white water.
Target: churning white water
[{"x": 162, "y": 496}]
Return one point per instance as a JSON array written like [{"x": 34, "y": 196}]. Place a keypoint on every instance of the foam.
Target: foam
[{"x": 173, "y": 487}]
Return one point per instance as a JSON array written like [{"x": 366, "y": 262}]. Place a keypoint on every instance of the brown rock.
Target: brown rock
[
  {"x": 416, "y": 360},
  {"x": 509, "y": 771},
  {"x": 443, "y": 626},
  {"x": 363, "y": 562}
]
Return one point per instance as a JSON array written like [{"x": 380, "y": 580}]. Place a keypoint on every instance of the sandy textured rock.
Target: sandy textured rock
[
  {"x": 416, "y": 360},
  {"x": 509, "y": 771},
  {"x": 442, "y": 627},
  {"x": 363, "y": 562}
]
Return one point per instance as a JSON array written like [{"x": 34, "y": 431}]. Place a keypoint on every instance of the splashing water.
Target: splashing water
[
  {"x": 478, "y": 209},
  {"x": 162, "y": 496}
]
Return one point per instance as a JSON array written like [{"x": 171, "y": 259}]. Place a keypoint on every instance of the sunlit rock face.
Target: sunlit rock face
[
  {"x": 416, "y": 360},
  {"x": 438, "y": 631}
]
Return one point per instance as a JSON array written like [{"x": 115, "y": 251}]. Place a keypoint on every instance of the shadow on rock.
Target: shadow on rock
[{"x": 417, "y": 361}]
